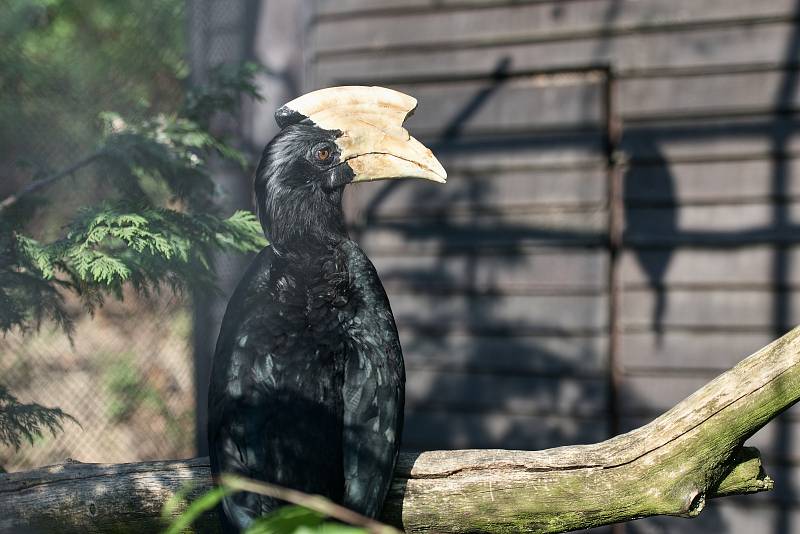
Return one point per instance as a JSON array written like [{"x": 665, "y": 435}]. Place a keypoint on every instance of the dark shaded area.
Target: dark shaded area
[
  {"x": 230, "y": 31},
  {"x": 659, "y": 182}
]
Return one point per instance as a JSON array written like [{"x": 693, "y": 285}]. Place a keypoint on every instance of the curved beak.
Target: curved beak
[
  {"x": 377, "y": 154},
  {"x": 373, "y": 141}
]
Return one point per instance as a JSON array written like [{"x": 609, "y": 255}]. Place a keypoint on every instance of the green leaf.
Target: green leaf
[
  {"x": 107, "y": 270},
  {"x": 338, "y": 528},
  {"x": 38, "y": 255},
  {"x": 286, "y": 520},
  {"x": 205, "y": 503},
  {"x": 299, "y": 520}
]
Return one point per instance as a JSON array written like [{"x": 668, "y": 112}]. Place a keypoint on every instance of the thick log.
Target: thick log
[{"x": 670, "y": 466}]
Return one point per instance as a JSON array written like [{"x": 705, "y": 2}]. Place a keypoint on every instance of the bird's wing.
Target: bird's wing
[
  {"x": 229, "y": 351},
  {"x": 373, "y": 392},
  {"x": 231, "y": 422}
]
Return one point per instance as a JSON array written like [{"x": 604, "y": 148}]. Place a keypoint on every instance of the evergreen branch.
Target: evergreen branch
[
  {"x": 151, "y": 163},
  {"x": 36, "y": 185},
  {"x": 27, "y": 422},
  {"x": 114, "y": 244}
]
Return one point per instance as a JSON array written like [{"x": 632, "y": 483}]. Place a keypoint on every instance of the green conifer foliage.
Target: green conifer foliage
[{"x": 155, "y": 228}]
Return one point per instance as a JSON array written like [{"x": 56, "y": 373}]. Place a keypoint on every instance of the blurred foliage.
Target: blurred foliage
[
  {"x": 63, "y": 62},
  {"x": 299, "y": 520},
  {"x": 92, "y": 200},
  {"x": 128, "y": 389}
]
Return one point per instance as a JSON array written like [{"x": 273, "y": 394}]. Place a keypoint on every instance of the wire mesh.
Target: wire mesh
[{"x": 126, "y": 378}]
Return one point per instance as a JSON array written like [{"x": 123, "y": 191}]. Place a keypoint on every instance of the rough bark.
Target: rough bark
[{"x": 671, "y": 466}]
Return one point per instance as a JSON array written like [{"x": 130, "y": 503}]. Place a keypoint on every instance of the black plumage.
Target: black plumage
[{"x": 307, "y": 381}]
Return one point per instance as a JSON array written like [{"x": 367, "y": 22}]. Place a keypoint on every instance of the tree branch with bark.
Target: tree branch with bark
[{"x": 671, "y": 466}]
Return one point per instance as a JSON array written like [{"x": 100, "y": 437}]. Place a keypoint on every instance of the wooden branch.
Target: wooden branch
[
  {"x": 671, "y": 466},
  {"x": 36, "y": 185}
]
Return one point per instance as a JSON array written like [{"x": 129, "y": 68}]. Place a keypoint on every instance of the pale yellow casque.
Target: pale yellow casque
[{"x": 373, "y": 141}]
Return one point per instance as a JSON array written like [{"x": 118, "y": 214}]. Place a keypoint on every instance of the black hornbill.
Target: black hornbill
[{"x": 307, "y": 384}]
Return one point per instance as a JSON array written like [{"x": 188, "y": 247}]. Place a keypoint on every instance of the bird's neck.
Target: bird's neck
[{"x": 305, "y": 222}]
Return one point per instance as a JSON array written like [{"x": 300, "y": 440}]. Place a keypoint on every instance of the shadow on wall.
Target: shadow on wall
[
  {"x": 479, "y": 375},
  {"x": 492, "y": 365},
  {"x": 654, "y": 183}
]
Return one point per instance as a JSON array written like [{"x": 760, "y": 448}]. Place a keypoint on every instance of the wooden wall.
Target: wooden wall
[{"x": 541, "y": 301}]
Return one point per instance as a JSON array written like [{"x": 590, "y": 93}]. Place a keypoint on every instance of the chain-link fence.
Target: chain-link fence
[{"x": 126, "y": 378}]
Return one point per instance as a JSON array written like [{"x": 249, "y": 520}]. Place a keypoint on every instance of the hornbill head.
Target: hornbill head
[{"x": 330, "y": 138}]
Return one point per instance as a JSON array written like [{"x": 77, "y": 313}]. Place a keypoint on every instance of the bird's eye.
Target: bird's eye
[{"x": 323, "y": 154}]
